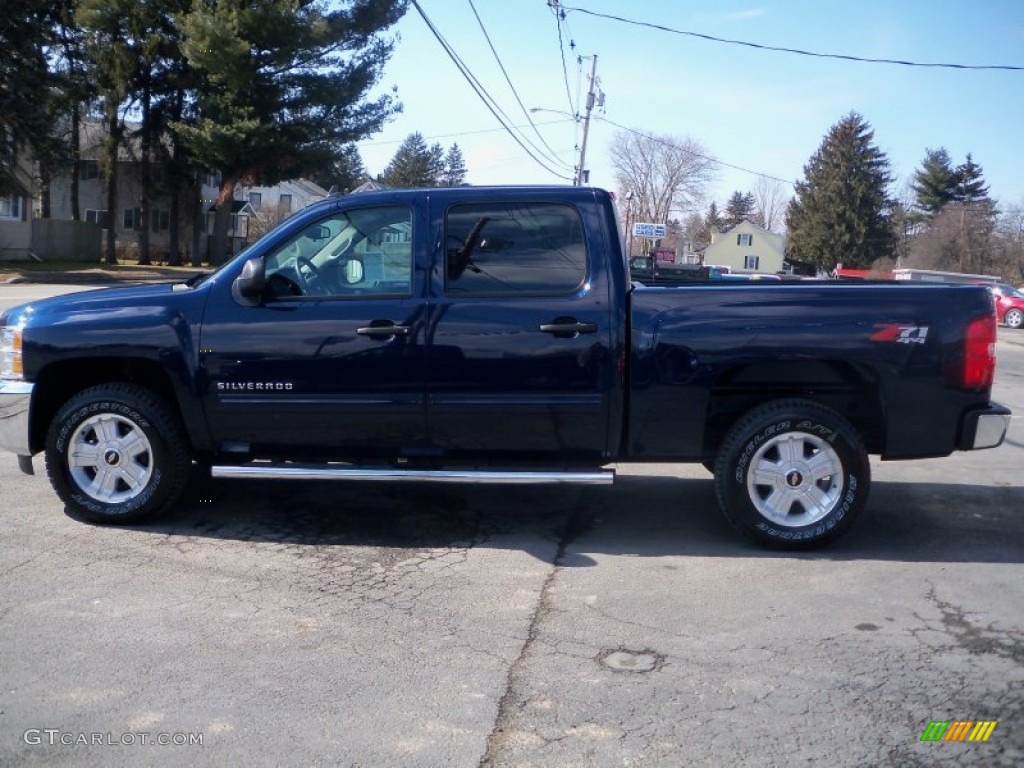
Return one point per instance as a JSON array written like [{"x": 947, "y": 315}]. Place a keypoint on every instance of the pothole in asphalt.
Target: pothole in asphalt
[{"x": 626, "y": 660}]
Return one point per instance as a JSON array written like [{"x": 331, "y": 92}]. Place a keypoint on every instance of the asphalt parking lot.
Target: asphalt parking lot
[{"x": 370, "y": 625}]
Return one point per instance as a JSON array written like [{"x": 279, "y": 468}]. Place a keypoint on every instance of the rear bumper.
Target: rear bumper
[
  {"x": 15, "y": 401},
  {"x": 984, "y": 427}
]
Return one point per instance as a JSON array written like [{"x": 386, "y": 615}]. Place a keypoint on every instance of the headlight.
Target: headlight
[{"x": 10, "y": 353}]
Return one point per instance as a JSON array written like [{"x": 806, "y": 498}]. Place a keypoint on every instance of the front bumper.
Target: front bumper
[
  {"x": 15, "y": 402},
  {"x": 984, "y": 427}
]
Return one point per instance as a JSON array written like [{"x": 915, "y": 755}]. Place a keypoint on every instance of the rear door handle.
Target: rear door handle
[
  {"x": 568, "y": 328},
  {"x": 383, "y": 331}
]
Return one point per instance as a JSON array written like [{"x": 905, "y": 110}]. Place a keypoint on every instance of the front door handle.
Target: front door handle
[
  {"x": 567, "y": 327},
  {"x": 384, "y": 331}
]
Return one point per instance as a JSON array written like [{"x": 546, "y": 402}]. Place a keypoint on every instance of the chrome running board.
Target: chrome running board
[{"x": 326, "y": 472}]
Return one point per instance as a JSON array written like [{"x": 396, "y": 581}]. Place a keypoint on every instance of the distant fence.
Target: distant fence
[{"x": 59, "y": 240}]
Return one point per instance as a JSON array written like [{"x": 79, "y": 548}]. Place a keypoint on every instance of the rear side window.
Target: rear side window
[{"x": 514, "y": 249}]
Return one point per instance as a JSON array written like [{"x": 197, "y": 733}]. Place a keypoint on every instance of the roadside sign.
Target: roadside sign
[{"x": 650, "y": 231}]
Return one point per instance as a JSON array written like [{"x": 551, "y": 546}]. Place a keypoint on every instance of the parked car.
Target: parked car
[{"x": 1009, "y": 305}]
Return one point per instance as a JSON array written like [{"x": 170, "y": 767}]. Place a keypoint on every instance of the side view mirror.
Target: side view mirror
[{"x": 247, "y": 289}]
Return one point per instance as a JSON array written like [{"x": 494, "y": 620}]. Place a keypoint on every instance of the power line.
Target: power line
[
  {"x": 691, "y": 152},
  {"x": 454, "y": 135},
  {"x": 551, "y": 155},
  {"x": 481, "y": 91},
  {"x": 559, "y": 21},
  {"x": 798, "y": 51}
]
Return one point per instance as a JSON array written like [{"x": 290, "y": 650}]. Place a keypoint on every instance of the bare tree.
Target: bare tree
[
  {"x": 666, "y": 174},
  {"x": 1008, "y": 259},
  {"x": 770, "y": 201},
  {"x": 960, "y": 238}
]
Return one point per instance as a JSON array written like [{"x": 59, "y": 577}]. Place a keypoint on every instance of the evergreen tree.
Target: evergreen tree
[
  {"x": 840, "y": 211},
  {"x": 436, "y": 165},
  {"x": 414, "y": 164},
  {"x": 740, "y": 206},
  {"x": 711, "y": 223},
  {"x": 970, "y": 183},
  {"x": 935, "y": 182},
  {"x": 346, "y": 173},
  {"x": 454, "y": 167},
  {"x": 284, "y": 87},
  {"x": 112, "y": 66},
  {"x": 26, "y": 29}
]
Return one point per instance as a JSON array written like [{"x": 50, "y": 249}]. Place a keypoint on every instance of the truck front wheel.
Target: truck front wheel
[
  {"x": 792, "y": 474},
  {"x": 115, "y": 454}
]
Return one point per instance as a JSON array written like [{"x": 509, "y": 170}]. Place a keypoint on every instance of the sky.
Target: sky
[{"x": 763, "y": 111}]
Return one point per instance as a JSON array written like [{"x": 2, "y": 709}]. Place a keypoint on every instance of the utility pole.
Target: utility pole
[{"x": 580, "y": 173}]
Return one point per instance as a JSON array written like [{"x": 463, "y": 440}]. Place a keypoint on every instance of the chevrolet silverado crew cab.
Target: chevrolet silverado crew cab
[{"x": 491, "y": 334}]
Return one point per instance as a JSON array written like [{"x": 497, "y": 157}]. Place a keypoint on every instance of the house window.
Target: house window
[
  {"x": 94, "y": 216},
  {"x": 239, "y": 225},
  {"x": 744, "y": 239},
  {"x": 88, "y": 169},
  {"x": 7, "y": 154},
  {"x": 11, "y": 208},
  {"x": 161, "y": 220},
  {"x": 255, "y": 200},
  {"x": 211, "y": 179},
  {"x": 285, "y": 203},
  {"x": 132, "y": 219},
  {"x": 751, "y": 262}
]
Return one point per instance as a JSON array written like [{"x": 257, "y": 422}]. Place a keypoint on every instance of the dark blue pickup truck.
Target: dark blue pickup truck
[{"x": 491, "y": 334}]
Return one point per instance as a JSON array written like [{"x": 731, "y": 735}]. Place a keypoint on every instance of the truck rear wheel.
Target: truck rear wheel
[
  {"x": 115, "y": 454},
  {"x": 792, "y": 474}
]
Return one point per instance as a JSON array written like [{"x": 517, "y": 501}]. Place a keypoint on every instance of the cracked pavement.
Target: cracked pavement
[{"x": 366, "y": 625}]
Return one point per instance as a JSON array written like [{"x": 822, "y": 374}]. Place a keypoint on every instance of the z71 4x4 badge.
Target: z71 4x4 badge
[{"x": 901, "y": 334}]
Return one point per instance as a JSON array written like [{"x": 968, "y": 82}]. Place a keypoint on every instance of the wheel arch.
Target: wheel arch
[
  {"x": 60, "y": 381},
  {"x": 852, "y": 391}
]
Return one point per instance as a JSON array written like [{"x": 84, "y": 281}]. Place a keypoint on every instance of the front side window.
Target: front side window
[
  {"x": 514, "y": 249},
  {"x": 751, "y": 262},
  {"x": 359, "y": 253}
]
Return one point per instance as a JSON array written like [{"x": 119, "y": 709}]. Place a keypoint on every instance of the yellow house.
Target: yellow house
[{"x": 746, "y": 247}]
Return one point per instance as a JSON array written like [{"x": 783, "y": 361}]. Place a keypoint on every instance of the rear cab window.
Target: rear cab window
[{"x": 515, "y": 248}]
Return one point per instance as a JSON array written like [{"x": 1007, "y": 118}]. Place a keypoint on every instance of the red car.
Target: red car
[{"x": 1009, "y": 305}]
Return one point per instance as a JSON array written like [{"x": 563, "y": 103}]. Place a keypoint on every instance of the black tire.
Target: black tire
[
  {"x": 132, "y": 459},
  {"x": 814, "y": 475},
  {"x": 1014, "y": 318}
]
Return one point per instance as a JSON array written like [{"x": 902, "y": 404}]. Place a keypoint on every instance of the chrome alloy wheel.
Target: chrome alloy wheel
[
  {"x": 110, "y": 458},
  {"x": 795, "y": 479}
]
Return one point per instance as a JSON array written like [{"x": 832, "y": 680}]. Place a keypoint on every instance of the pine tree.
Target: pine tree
[
  {"x": 740, "y": 206},
  {"x": 414, "y": 164},
  {"x": 935, "y": 182},
  {"x": 840, "y": 211},
  {"x": 113, "y": 67},
  {"x": 970, "y": 183},
  {"x": 711, "y": 223},
  {"x": 346, "y": 173},
  {"x": 454, "y": 167},
  {"x": 285, "y": 88},
  {"x": 26, "y": 29}
]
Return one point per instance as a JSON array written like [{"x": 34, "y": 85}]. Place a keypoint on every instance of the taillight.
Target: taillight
[{"x": 979, "y": 366}]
